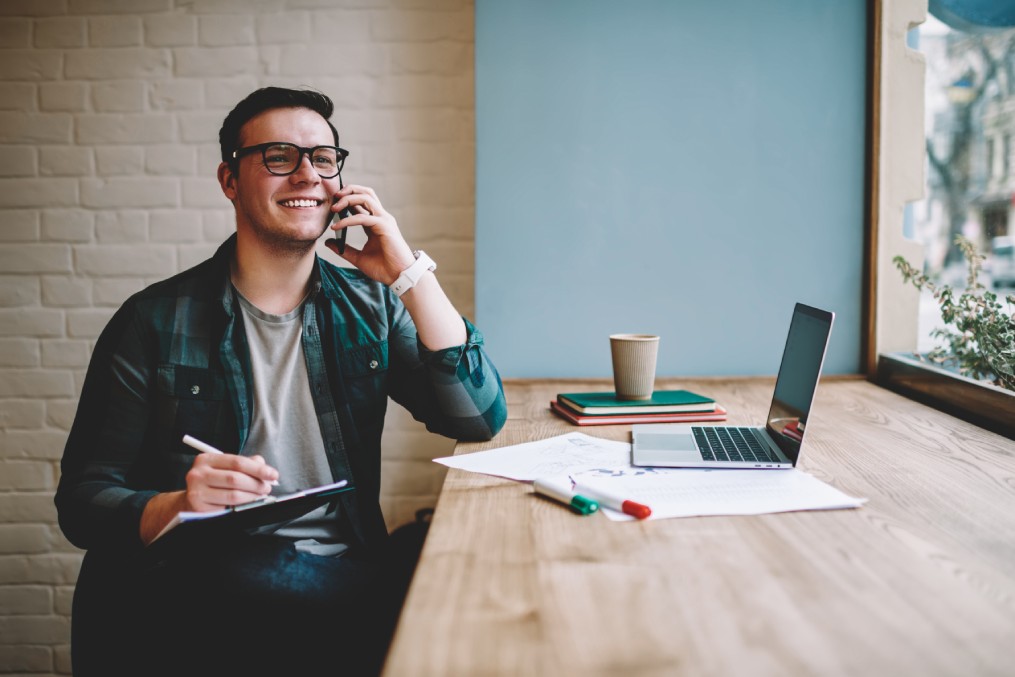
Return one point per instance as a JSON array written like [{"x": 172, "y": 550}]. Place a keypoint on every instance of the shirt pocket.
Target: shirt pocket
[
  {"x": 365, "y": 371},
  {"x": 191, "y": 401}
]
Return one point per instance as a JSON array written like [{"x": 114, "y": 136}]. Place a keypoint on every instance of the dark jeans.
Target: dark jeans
[{"x": 251, "y": 606}]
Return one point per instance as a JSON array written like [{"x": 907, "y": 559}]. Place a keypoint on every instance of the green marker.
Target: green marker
[{"x": 560, "y": 489}]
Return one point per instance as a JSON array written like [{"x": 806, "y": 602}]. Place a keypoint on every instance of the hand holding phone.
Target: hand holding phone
[{"x": 340, "y": 235}]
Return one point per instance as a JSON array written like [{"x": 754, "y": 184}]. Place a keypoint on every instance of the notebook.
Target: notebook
[{"x": 778, "y": 443}]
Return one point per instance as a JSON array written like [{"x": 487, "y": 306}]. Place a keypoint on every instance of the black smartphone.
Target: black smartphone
[{"x": 340, "y": 235}]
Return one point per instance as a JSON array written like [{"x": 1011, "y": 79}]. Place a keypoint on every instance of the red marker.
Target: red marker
[{"x": 623, "y": 505}]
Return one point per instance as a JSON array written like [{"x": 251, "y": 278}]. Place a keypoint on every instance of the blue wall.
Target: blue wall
[{"x": 689, "y": 169}]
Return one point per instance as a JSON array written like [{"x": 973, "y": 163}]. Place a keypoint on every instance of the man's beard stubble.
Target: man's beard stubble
[{"x": 285, "y": 245}]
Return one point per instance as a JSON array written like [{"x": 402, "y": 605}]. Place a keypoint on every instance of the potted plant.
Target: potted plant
[
  {"x": 980, "y": 331},
  {"x": 972, "y": 375}
]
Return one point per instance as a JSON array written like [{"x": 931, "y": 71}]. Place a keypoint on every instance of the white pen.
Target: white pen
[
  {"x": 201, "y": 446},
  {"x": 207, "y": 448}
]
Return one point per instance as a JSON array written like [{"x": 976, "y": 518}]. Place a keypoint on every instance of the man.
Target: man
[{"x": 285, "y": 362}]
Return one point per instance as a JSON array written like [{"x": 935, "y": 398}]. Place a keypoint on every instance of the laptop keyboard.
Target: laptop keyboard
[{"x": 723, "y": 443}]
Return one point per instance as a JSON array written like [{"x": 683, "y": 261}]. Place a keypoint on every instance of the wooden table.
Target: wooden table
[{"x": 919, "y": 581}]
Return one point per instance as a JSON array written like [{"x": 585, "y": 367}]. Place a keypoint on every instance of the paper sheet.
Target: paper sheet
[
  {"x": 555, "y": 456},
  {"x": 693, "y": 492},
  {"x": 670, "y": 492}
]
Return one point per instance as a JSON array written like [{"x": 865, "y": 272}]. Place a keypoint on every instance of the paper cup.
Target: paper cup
[{"x": 634, "y": 365}]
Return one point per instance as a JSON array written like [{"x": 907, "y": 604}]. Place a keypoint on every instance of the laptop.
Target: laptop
[{"x": 777, "y": 444}]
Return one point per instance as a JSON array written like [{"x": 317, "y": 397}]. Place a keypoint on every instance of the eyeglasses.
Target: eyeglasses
[{"x": 283, "y": 159}]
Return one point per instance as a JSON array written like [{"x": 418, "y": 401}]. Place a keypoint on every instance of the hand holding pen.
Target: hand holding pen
[{"x": 217, "y": 480}]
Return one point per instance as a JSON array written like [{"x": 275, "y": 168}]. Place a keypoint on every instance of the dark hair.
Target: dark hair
[{"x": 269, "y": 98}]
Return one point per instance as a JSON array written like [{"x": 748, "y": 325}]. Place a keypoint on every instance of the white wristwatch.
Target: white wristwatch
[{"x": 408, "y": 278}]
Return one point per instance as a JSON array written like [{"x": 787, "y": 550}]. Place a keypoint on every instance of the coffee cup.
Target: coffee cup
[{"x": 634, "y": 365}]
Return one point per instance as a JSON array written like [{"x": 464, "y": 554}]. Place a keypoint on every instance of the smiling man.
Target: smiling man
[{"x": 285, "y": 362}]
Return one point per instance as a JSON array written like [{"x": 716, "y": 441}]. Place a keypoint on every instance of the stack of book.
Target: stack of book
[{"x": 665, "y": 406}]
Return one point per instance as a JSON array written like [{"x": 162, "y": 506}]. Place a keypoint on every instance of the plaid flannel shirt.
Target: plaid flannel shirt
[{"x": 174, "y": 360}]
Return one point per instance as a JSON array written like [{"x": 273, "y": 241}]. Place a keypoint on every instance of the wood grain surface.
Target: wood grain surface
[{"x": 921, "y": 580}]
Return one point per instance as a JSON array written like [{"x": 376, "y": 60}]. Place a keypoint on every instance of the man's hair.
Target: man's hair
[{"x": 269, "y": 98}]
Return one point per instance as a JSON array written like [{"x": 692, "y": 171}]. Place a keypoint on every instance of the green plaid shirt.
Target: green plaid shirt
[{"x": 174, "y": 360}]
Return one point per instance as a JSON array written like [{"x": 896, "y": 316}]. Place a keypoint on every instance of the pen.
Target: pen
[
  {"x": 206, "y": 448},
  {"x": 561, "y": 491},
  {"x": 200, "y": 446},
  {"x": 614, "y": 503}
]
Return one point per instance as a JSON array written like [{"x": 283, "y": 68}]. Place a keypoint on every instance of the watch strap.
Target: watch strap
[{"x": 409, "y": 277}]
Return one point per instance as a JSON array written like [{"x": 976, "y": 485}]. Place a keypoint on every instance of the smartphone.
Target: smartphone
[{"x": 340, "y": 235}]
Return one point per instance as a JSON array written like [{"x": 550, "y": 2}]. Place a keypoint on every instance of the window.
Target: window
[
  {"x": 969, "y": 121},
  {"x": 968, "y": 188}
]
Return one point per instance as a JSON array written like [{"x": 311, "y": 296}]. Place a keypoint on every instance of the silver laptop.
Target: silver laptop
[{"x": 775, "y": 445}]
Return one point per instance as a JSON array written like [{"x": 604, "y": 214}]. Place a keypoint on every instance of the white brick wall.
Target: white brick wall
[{"x": 109, "y": 116}]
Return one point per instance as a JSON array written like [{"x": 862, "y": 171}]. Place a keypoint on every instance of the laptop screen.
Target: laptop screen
[{"x": 798, "y": 377}]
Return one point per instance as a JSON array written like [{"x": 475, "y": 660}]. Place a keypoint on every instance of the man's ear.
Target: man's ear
[{"x": 227, "y": 180}]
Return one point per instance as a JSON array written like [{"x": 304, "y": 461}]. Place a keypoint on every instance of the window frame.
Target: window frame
[{"x": 895, "y": 176}]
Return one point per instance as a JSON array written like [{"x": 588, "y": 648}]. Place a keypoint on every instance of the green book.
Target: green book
[{"x": 662, "y": 401}]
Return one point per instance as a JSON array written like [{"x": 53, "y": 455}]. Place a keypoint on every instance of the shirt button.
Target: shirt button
[
  {"x": 195, "y": 389},
  {"x": 373, "y": 364}
]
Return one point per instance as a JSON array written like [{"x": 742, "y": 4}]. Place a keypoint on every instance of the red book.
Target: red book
[{"x": 718, "y": 414}]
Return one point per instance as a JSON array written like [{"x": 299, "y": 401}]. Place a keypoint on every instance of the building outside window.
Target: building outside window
[{"x": 970, "y": 127}]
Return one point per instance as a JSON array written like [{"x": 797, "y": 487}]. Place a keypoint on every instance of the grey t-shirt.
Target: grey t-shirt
[{"x": 284, "y": 427}]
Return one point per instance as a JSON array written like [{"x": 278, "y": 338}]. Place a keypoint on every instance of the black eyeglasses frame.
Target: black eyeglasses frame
[{"x": 342, "y": 154}]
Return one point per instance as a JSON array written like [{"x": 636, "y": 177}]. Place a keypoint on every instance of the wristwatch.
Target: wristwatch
[{"x": 408, "y": 278}]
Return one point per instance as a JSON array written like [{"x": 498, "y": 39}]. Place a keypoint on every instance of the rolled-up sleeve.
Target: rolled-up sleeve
[{"x": 456, "y": 391}]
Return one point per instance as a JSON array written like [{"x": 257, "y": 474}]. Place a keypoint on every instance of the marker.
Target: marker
[
  {"x": 206, "y": 448},
  {"x": 615, "y": 503},
  {"x": 561, "y": 490}
]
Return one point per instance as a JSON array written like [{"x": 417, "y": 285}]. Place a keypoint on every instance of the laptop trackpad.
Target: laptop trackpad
[{"x": 677, "y": 447}]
